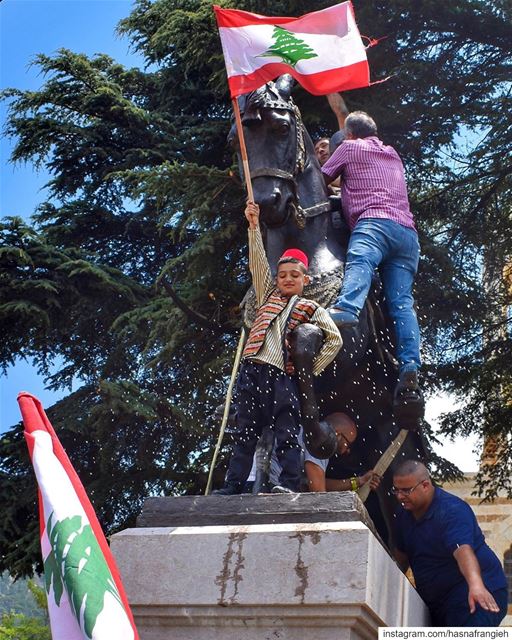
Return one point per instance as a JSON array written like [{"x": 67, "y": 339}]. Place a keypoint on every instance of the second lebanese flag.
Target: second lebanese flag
[
  {"x": 86, "y": 599},
  {"x": 323, "y": 50}
]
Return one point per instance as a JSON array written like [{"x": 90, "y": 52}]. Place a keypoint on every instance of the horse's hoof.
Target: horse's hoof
[{"x": 326, "y": 445}]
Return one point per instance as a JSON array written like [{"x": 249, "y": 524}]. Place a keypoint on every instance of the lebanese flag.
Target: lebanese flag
[
  {"x": 86, "y": 599},
  {"x": 323, "y": 50}
]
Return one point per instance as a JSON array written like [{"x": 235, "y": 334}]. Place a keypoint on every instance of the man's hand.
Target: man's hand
[
  {"x": 371, "y": 477},
  {"x": 252, "y": 213},
  {"x": 480, "y": 595},
  {"x": 470, "y": 569}
]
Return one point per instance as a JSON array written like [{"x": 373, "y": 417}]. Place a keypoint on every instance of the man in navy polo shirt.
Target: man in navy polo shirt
[{"x": 458, "y": 576}]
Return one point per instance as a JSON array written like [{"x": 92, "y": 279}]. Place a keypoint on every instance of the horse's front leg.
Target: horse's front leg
[{"x": 319, "y": 437}]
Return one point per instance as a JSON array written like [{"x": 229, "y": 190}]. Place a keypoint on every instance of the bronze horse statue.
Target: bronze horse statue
[{"x": 296, "y": 211}]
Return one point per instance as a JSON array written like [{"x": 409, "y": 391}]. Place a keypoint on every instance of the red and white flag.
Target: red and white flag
[
  {"x": 86, "y": 599},
  {"x": 322, "y": 50}
]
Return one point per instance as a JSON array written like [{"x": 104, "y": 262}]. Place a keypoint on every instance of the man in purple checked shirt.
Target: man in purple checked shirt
[{"x": 383, "y": 234}]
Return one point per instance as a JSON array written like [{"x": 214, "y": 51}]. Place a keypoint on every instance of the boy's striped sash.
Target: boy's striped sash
[{"x": 302, "y": 312}]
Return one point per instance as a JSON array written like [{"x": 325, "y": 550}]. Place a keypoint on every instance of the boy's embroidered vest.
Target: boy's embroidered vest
[{"x": 302, "y": 312}]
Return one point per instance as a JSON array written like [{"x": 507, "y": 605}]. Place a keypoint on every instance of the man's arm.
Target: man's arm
[
  {"x": 332, "y": 340},
  {"x": 339, "y": 484},
  {"x": 470, "y": 569},
  {"x": 338, "y": 107},
  {"x": 345, "y": 484},
  {"x": 258, "y": 263},
  {"x": 335, "y": 165},
  {"x": 401, "y": 559},
  {"x": 315, "y": 476}
]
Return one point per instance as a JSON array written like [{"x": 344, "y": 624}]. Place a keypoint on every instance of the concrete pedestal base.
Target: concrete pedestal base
[{"x": 283, "y": 581}]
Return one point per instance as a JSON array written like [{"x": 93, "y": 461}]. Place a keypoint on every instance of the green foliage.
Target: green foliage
[
  {"x": 17, "y": 626},
  {"x": 145, "y": 199},
  {"x": 21, "y": 622},
  {"x": 14, "y": 596},
  {"x": 39, "y": 596}
]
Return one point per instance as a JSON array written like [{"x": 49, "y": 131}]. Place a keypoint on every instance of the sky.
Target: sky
[{"x": 29, "y": 27}]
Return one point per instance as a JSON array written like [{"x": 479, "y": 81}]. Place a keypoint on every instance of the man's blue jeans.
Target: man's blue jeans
[{"x": 383, "y": 243}]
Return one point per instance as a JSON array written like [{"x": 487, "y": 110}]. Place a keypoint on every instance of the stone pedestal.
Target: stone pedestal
[{"x": 276, "y": 580}]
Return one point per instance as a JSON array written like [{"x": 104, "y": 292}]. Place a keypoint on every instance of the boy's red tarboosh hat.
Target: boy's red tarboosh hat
[{"x": 297, "y": 254}]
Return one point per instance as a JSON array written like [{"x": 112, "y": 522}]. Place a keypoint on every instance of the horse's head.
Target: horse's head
[{"x": 274, "y": 137}]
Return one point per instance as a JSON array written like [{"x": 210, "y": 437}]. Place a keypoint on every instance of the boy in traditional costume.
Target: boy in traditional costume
[{"x": 267, "y": 392}]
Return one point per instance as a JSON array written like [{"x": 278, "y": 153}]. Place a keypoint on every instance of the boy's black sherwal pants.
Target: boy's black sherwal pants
[{"x": 266, "y": 396}]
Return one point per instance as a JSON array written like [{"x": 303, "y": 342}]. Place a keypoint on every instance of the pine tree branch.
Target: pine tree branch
[{"x": 194, "y": 316}]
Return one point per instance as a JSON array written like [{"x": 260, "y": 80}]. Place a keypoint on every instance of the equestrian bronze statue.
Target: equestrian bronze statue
[{"x": 297, "y": 211}]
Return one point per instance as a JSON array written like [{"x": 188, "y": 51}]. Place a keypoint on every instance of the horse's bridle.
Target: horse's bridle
[{"x": 269, "y": 97}]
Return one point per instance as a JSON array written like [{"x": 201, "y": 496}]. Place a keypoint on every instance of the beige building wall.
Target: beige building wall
[{"x": 495, "y": 520}]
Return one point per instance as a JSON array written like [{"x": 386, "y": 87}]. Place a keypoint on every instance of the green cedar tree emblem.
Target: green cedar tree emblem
[
  {"x": 76, "y": 558},
  {"x": 288, "y": 47}
]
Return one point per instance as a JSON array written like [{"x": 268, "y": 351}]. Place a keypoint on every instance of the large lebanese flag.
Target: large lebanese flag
[
  {"x": 323, "y": 50},
  {"x": 86, "y": 599}
]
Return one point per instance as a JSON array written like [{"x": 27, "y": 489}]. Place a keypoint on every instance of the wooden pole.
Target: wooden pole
[
  {"x": 236, "y": 364},
  {"x": 384, "y": 461},
  {"x": 243, "y": 149},
  {"x": 227, "y": 404}
]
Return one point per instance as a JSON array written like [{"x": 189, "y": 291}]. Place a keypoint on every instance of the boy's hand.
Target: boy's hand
[
  {"x": 289, "y": 366},
  {"x": 252, "y": 213}
]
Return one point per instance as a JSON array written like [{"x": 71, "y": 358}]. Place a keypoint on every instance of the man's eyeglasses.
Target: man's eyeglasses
[
  {"x": 407, "y": 491},
  {"x": 347, "y": 443}
]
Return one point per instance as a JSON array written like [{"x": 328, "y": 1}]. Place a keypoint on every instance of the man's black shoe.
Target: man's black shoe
[
  {"x": 342, "y": 319},
  {"x": 231, "y": 489},
  {"x": 408, "y": 401},
  {"x": 407, "y": 382}
]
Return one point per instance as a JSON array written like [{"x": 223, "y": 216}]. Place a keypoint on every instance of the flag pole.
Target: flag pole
[
  {"x": 227, "y": 404},
  {"x": 243, "y": 149},
  {"x": 241, "y": 341}
]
